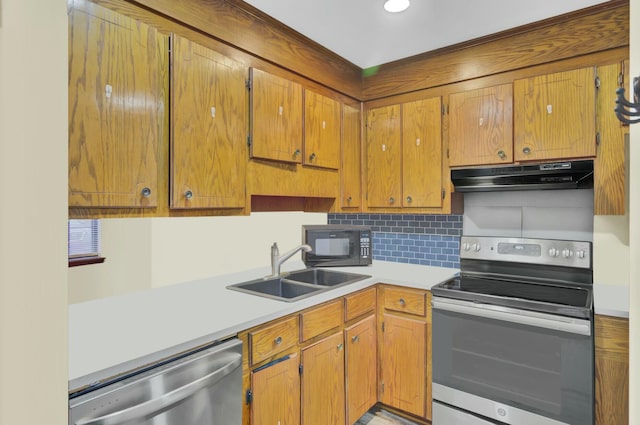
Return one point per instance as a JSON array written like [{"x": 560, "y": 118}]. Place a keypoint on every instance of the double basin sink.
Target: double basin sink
[{"x": 298, "y": 284}]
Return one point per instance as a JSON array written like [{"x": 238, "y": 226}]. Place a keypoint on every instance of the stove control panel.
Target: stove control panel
[{"x": 524, "y": 250}]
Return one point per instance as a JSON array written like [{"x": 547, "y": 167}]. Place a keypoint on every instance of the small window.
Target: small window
[{"x": 84, "y": 242}]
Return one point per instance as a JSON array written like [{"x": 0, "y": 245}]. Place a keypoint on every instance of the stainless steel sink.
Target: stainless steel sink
[
  {"x": 298, "y": 284},
  {"x": 324, "y": 277}
]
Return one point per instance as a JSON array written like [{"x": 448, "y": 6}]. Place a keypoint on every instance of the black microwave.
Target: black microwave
[{"x": 337, "y": 245}]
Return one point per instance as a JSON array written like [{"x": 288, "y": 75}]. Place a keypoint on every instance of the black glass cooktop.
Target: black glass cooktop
[{"x": 552, "y": 298}]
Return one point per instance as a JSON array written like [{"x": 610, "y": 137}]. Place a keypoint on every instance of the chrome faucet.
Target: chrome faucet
[{"x": 276, "y": 260}]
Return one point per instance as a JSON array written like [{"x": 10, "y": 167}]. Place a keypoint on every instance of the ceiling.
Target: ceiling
[{"x": 362, "y": 32}]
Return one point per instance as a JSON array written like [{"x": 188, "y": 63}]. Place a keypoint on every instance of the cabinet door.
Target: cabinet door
[
  {"x": 554, "y": 116},
  {"x": 208, "y": 117},
  {"x": 422, "y": 153},
  {"x": 609, "y": 166},
  {"x": 360, "y": 368},
  {"x": 481, "y": 126},
  {"x": 384, "y": 152},
  {"x": 403, "y": 368},
  {"x": 350, "y": 168},
  {"x": 612, "y": 370},
  {"x": 276, "y": 393},
  {"x": 323, "y": 395},
  {"x": 321, "y": 131},
  {"x": 276, "y": 117},
  {"x": 117, "y": 78}
]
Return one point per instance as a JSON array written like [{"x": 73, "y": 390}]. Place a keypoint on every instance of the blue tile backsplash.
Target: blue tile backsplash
[{"x": 427, "y": 239}]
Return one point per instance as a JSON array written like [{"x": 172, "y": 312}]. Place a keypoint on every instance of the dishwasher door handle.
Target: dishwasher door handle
[{"x": 166, "y": 400}]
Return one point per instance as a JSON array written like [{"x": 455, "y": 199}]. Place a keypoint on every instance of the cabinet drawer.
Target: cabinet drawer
[
  {"x": 356, "y": 305},
  {"x": 321, "y": 319},
  {"x": 405, "y": 300},
  {"x": 269, "y": 341}
]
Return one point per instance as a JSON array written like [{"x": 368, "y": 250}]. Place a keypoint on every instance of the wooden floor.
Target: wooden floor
[{"x": 378, "y": 416}]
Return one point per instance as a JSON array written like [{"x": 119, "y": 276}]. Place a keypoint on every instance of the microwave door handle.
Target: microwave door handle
[
  {"x": 512, "y": 315},
  {"x": 165, "y": 401}
]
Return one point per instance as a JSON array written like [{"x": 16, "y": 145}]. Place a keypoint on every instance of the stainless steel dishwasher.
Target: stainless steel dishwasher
[{"x": 200, "y": 388}]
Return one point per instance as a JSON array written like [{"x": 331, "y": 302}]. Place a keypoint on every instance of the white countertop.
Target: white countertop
[
  {"x": 611, "y": 300},
  {"x": 111, "y": 336}
]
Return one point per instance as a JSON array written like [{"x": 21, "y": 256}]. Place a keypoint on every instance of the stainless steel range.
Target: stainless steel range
[{"x": 513, "y": 334}]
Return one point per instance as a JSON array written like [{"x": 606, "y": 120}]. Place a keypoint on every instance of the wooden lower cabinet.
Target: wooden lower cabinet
[
  {"x": 360, "y": 367},
  {"x": 612, "y": 370},
  {"x": 403, "y": 364},
  {"x": 276, "y": 393},
  {"x": 322, "y": 382}
]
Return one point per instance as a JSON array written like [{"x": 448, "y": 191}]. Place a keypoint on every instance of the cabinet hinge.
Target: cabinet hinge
[
  {"x": 249, "y": 141},
  {"x": 597, "y": 82},
  {"x": 443, "y": 108},
  {"x": 249, "y": 397},
  {"x": 382, "y": 386},
  {"x": 444, "y": 194},
  {"x": 300, "y": 369},
  {"x": 382, "y": 326},
  {"x": 598, "y": 139},
  {"x": 621, "y": 79},
  {"x": 447, "y": 152},
  {"x": 247, "y": 84}
]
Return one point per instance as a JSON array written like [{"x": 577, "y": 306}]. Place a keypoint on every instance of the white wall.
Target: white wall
[
  {"x": 146, "y": 253},
  {"x": 33, "y": 212},
  {"x": 634, "y": 232}
]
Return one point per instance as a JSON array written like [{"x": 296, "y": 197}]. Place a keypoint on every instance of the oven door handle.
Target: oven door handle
[{"x": 513, "y": 315}]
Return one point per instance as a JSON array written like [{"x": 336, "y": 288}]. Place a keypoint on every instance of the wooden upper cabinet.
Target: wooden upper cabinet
[
  {"x": 384, "y": 151},
  {"x": 321, "y": 131},
  {"x": 481, "y": 126},
  {"x": 208, "y": 128},
  {"x": 117, "y": 78},
  {"x": 276, "y": 117},
  {"x": 554, "y": 116},
  {"x": 609, "y": 190},
  {"x": 422, "y": 153},
  {"x": 350, "y": 167}
]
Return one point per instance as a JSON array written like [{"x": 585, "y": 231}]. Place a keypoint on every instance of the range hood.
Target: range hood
[{"x": 557, "y": 175}]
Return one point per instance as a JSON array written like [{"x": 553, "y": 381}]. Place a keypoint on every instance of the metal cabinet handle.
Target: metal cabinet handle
[
  {"x": 339, "y": 347},
  {"x": 312, "y": 156},
  {"x": 409, "y": 199},
  {"x": 146, "y": 192},
  {"x": 296, "y": 153},
  {"x": 349, "y": 199},
  {"x": 526, "y": 151},
  {"x": 355, "y": 338},
  {"x": 391, "y": 200},
  {"x": 160, "y": 404},
  {"x": 502, "y": 155},
  {"x": 188, "y": 194},
  {"x": 402, "y": 302},
  {"x": 278, "y": 340}
]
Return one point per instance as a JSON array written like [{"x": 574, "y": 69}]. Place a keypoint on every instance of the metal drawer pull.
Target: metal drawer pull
[
  {"x": 355, "y": 338},
  {"x": 146, "y": 192},
  {"x": 339, "y": 347},
  {"x": 188, "y": 194},
  {"x": 526, "y": 151},
  {"x": 391, "y": 200},
  {"x": 158, "y": 405},
  {"x": 409, "y": 199},
  {"x": 278, "y": 340},
  {"x": 402, "y": 302},
  {"x": 502, "y": 155}
]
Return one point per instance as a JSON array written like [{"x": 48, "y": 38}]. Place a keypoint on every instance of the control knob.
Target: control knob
[
  {"x": 567, "y": 253},
  {"x": 553, "y": 252},
  {"x": 580, "y": 254},
  {"x": 466, "y": 246},
  {"x": 475, "y": 247}
]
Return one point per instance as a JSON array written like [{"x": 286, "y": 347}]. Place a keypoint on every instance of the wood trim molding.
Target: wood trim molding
[
  {"x": 585, "y": 32},
  {"x": 241, "y": 25}
]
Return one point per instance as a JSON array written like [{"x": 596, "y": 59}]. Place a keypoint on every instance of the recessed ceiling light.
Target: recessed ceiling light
[{"x": 395, "y": 6}]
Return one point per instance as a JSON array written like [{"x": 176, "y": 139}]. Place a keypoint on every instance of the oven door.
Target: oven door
[{"x": 515, "y": 366}]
